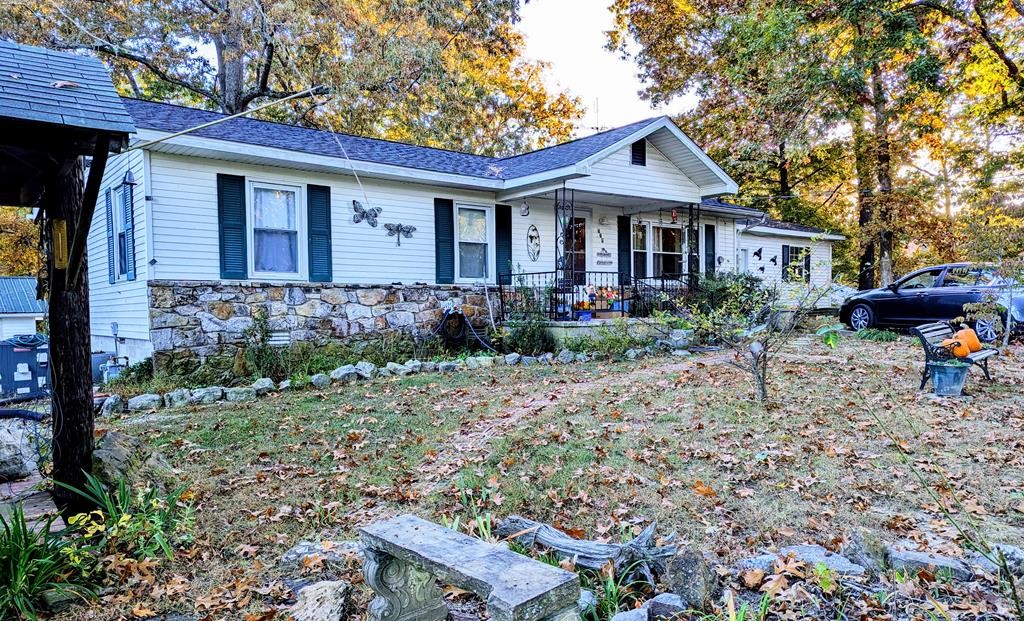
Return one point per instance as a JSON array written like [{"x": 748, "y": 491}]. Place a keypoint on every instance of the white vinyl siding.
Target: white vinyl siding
[
  {"x": 186, "y": 245},
  {"x": 771, "y": 247},
  {"x": 658, "y": 179},
  {"x": 124, "y": 301},
  {"x": 14, "y": 325}
]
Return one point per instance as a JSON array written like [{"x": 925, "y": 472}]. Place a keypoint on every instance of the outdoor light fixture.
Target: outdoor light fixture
[
  {"x": 129, "y": 178},
  {"x": 524, "y": 209}
]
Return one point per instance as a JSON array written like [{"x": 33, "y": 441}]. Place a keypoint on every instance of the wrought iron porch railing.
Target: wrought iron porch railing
[{"x": 559, "y": 296}]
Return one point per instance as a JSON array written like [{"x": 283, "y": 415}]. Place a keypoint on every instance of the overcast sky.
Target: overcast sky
[{"x": 570, "y": 34}]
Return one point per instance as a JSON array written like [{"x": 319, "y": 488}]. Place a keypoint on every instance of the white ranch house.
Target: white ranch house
[{"x": 335, "y": 235}]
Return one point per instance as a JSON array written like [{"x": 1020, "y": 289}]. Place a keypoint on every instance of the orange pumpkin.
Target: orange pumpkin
[
  {"x": 956, "y": 347},
  {"x": 969, "y": 338}
]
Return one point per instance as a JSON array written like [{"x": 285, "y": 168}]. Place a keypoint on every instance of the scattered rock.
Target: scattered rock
[
  {"x": 414, "y": 366},
  {"x": 666, "y": 606},
  {"x": 1014, "y": 557},
  {"x": 398, "y": 369},
  {"x": 546, "y": 358},
  {"x": 285, "y": 385},
  {"x": 206, "y": 396},
  {"x": 528, "y": 360},
  {"x": 263, "y": 385},
  {"x": 344, "y": 373},
  {"x": 320, "y": 380},
  {"x": 447, "y": 366},
  {"x": 243, "y": 393},
  {"x": 112, "y": 404},
  {"x": 429, "y": 367},
  {"x": 680, "y": 352},
  {"x": 472, "y": 363},
  {"x": 565, "y": 357},
  {"x": 512, "y": 359},
  {"x": 587, "y": 601},
  {"x": 865, "y": 550},
  {"x": 323, "y": 601},
  {"x": 336, "y": 552},
  {"x": 632, "y": 354},
  {"x": 582, "y": 358},
  {"x": 639, "y": 614},
  {"x": 809, "y": 554},
  {"x": 17, "y": 448},
  {"x": 121, "y": 456},
  {"x": 914, "y": 561},
  {"x": 485, "y": 361},
  {"x": 689, "y": 576},
  {"x": 366, "y": 370},
  {"x": 149, "y": 401},
  {"x": 177, "y": 398}
]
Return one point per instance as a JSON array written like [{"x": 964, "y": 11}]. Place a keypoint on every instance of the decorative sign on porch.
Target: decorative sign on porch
[
  {"x": 362, "y": 213},
  {"x": 533, "y": 243},
  {"x": 398, "y": 231},
  {"x": 604, "y": 257}
]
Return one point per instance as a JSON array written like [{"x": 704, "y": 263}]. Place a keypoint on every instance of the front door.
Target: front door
[
  {"x": 576, "y": 249},
  {"x": 710, "y": 252}
]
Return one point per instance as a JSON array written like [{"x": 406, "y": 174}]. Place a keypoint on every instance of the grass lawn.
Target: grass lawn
[{"x": 598, "y": 450}]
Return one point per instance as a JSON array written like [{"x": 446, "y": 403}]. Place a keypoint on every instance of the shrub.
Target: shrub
[
  {"x": 141, "y": 524},
  {"x": 261, "y": 358},
  {"x": 874, "y": 334},
  {"x": 36, "y": 562},
  {"x": 738, "y": 294},
  {"x": 607, "y": 340},
  {"x": 528, "y": 336}
]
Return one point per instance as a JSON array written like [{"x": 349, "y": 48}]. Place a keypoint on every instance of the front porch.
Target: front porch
[{"x": 613, "y": 256}]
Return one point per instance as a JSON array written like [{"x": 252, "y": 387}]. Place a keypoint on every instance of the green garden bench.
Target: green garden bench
[{"x": 931, "y": 336}]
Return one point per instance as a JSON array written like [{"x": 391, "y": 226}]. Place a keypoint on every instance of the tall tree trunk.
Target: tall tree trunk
[
  {"x": 883, "y": 170},
  {"x": 785, "y": 189},
  {"x": 863, "y": 158},
  {"x": 231, "y": 66},
  {"x": 72, "y": 409}
]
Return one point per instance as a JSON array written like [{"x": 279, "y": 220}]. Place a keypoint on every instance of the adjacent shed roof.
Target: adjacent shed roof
[
  {"x": 59, "y": 88},
  {"x": 18, "y": 296}
]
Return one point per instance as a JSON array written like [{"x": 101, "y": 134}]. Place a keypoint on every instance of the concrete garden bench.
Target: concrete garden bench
[
  {"x": 932, "y": 335},
  {"x": 407, "y": 556}
]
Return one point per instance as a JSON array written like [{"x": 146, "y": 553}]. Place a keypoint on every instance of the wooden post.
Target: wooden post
[{"x": 70, "y": 363}]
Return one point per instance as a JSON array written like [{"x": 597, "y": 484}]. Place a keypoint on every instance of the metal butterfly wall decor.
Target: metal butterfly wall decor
[
  {"x": 362, "y": 213},
  {"x": 774, "y": 260},
  {"x": 757, "y": 253},
  {"x": 398, "y": 231}
]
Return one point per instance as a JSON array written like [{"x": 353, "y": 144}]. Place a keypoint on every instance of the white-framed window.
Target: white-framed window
[
  {"x": 668, "y": 250},
  {"x": 120, "y": 235},
  {"x": 641, "y": 260},
  {"x": 277, "y": 237},
  {"x": 474, "y": 243},
  {"x": 744, "y": 261}
]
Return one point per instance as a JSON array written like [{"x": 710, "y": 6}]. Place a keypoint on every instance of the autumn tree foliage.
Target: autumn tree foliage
[
  {"x": 19, "y": 240},
  {"x": 438, "y": 72},
  {"x": 881, "y": 119}
]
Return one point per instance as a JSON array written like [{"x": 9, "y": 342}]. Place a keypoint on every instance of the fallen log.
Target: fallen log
[{"x": 639, "y": 557}]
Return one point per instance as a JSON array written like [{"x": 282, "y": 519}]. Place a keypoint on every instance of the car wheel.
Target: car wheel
[
  {"x": 986, "y": 330},
  {"x": 861, "y": 317}
]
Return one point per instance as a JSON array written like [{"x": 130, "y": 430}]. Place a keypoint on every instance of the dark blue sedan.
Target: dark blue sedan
[{"x": 936, "y": 293}]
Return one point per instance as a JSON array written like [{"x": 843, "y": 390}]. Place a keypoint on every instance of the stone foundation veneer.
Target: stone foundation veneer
[{"x": 200, "y": 319}]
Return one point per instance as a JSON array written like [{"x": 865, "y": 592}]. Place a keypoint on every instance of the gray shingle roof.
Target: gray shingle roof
[
  {"x": 18, "y": 296},
  {"x": 27, "y": 91},
  {"x": 173, "y": 118}
]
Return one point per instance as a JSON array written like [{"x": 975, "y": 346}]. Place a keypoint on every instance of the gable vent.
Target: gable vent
[{"x": 639, "y": 153}]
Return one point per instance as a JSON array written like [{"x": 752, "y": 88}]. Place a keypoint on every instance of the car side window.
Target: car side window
[
  {"x": 924, "y": 280},
  {"x": 960, "y": 277}
]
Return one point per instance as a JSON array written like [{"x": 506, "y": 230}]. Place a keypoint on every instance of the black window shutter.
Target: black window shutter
[
  {"x": 128, "y": 205},
  {"x": 786, "y": 269},
  {"x": 807, "y": 265},
  {"x": 318, "y": 201},
  {"x": 231, "y": 220},
  {"x": 444, "y": 240},
  {"x": 639, "y": 153},
  {"x": 503, "y": 242},
  {"x": 625, "y": 241},
  {"x": 111, "y": 246}
]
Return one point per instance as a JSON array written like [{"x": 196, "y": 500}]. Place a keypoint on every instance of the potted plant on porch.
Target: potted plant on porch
[{"x": 948, "y": 377}]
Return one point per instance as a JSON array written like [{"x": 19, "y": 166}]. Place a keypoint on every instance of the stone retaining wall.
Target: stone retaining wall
[{"x": 201, "y": 319}]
